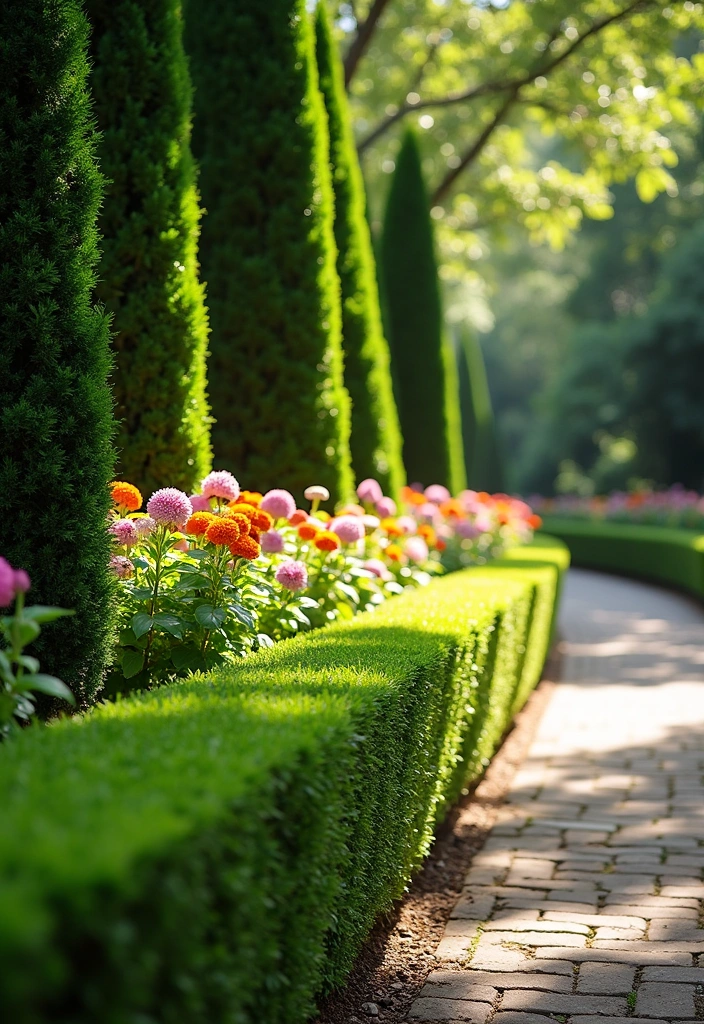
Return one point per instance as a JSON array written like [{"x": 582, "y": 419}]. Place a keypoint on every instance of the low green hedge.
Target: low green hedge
[
  {"x": 216, "y": 851},
  {"x": 659, "y": 553}
]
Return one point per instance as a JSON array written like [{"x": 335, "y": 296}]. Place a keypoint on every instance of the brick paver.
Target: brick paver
[{"x": 585, "y": 903}]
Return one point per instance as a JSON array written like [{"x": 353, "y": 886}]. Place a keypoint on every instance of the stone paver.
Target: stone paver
[{"x": 589, "y": 891}]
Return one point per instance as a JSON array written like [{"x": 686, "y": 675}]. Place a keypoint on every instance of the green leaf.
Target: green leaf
[
  {"x": 210, "y": 617},
  {"x": 132, "y": 662},
  {"x": 141, "y": 623},
  {"x": 187, "y": 657},
  {"x": 51, "y": 685},
  {"x": 26, "y": 661},
  {"x": 299, "y": 614},
  {"x": 264, "y": 640},
  {"x": 169, "y": 623},
  {"x": 45, "y": 613},
  {"x": 27, "y": 630},
  {"x": 140, "y": 563},
  {"x": 348, "y": 591},
  {"x": 244, "y": 616}
]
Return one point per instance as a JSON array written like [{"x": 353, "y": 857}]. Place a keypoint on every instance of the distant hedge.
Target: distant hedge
[
  {"x": 218, "y": 850},
  {"x": 268, "y": 249},
  {"x": 150, "y": 224},
  {"x": 662, "y": 554}
]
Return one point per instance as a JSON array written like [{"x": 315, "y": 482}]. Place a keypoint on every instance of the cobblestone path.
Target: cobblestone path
[{"x": 586, "y": 903}]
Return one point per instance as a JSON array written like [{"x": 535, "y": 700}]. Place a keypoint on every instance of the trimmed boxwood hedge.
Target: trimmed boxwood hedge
[
  {"x": 217, "y": 850},
  {"x": 663, "y": 554}
]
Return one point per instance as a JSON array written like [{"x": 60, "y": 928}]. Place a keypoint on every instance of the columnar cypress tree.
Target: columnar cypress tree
[
  {"x": 376, "y": 435},
  {"x": 421, "y": 359},
  {"x": 55, "y": 412},
  {"x": 481, "y": 453},
  {"x": 150, "y": 226},
  {"x": 268, "y": 250}
]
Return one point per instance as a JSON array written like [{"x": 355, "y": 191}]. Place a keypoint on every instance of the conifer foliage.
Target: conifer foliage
[
  {"x": 424, "y": 376},
  {"x": 268, "y": 251},
  {"x": 150, "y": 225},
  {"x": 483, "y": 465},
  {"x": 376, "y": 436},
  {"x": 55, "y": 414}
]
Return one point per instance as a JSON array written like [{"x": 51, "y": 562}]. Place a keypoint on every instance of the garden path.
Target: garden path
[{"x": 586, "y": 903}]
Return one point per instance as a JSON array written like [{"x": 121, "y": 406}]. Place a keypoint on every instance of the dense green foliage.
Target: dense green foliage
[
  {"x": 150, "y": 222},
  {"x": 55, "y": 413},
  {"x": 222, "y": 846},
  {"x": 375, "y": 441},
  {"x": 426, "y": 393},
  {"x": 666, "y": 555},
  {"x": 268, "y": 249},
  {"x": 481, "y": 454}
]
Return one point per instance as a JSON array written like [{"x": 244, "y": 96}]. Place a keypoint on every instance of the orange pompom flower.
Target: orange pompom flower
[
  {"x": 223, "y": 531},
  {"x": 452, "y": 507},
  {"x": 391, "y": 527},
  {"x": 427, "y": 533},
  {"x": 249, "y": 498},
  {"x": 394, "y": 552},
  {"x": 327, "y": 541},
  {"x": 262, "y": 520},
  {"x": 307, "y": 531},
  {"x": 245, "y": 547},
  {"x": 299, "y": 516},
  {"x": 440, "y": 544},
  {"x": 199, "y": 523},
  {"x": 254, "y": 533},
  {"x": 126, "y": 496},
  {"x": 534, "y": 521}
]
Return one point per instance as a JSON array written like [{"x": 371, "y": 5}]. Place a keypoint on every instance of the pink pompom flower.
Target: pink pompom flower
[
  {"x": 278, "y": 503},
  {"x": 417, "y": 549},
  {"x": 22, "y": 581},
  {"x": 7, "y": 583},
  {"x": 292, "y": 575},
  {"x": 437, "y": 494},
  {"x": 124, "y": 531},
  {"x": 349, "y": 529},
  {"x": 466, "y": 529},
  {"x": 220, "y": 484},
  {"x": 272, "y": 542},
  {"x": 144, "y": 526},
  {"x": 386, "y": 507},
  {"x": 170, "y": 507},
  {"x": 122, "y": 567},
  {"x": 370, "y": 490},
  {"x": 199, "y": 503},
  {"x": 407, "y": 524},
  {"x": 376, "y": 566}
]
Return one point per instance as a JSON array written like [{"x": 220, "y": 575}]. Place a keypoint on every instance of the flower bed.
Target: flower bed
[
  {"x": 218, "y": 849},
  {"x": 675, "y": 507}
]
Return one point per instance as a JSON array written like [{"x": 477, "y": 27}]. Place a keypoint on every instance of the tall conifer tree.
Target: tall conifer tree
[
  {"x": 422, "y": 360},
  {"x": 150, "y": 226},
  {"x": 55, "y": 410},
  {"x": 483, "y": 465},
  {"x": 260, "y": 134},
  {"x": 376, "y": 436}
]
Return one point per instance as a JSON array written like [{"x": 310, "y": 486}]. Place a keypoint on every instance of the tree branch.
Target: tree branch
[
  {"x": 498, "y": 86},
  {"x": 363, "y": 37}
]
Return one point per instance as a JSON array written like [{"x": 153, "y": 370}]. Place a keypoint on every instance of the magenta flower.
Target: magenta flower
[
  {"x": 22, "y": 581},
  {"x": 466, "y": 529},
  {"x": 292, "y": 575},
  {"x": 386, "y": 507},
  {"x": 278, "y": 503},
  {"x": 199, "y": 503},
  {"x": 272, "y": 542},
  {"x": 170, "y": 507},
  {"x": 376, "y": 566},
  {"x": 124, "y": 531},
  {"x": 417, "y": 549},
  {"x": 370, "y": 490},
  {"x": 348, "y": 528},
  {"x": 220, "y": 484},
  {"x": 121, "y": 566},
  {"x": 407, "y": 524},
  {"x": 7, "y": 583},
  {"x": 437, "y": 494},
  {"x": 144, "y": 526}
]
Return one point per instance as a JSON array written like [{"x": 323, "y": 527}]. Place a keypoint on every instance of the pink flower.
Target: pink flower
[
  {"x": 466, "y": 529},
  {"x": 348, "y": 528},
  {"x": 121, "y": 566},
  {"x": 124, "y": 531},
  {"x": 407, "y": 524},
  {"x": 7, "y": 583},
  {"x": 292, "y": 575},
  {"x": 144, "y": 525},
  {"x": 429, "y": 511},
  {"x": 272, "y": 542},
  {"x": 170, "y": 507},
  {"x": 22, "y": 581},
  {"x": 370, "y": 490},
  {"x": 199, "y": 503},
  {"x": 278, "y": 503},
  {"x": 417, "y": 549},
  {"x": 437, "y": 494},
  {"x": 220, "y": 484},
  {"x": 376, "y": 566},
  {"x": 386, "y": 507}
]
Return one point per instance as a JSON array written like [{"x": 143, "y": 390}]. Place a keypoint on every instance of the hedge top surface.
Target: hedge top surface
[{"x": 625, "y": 531}]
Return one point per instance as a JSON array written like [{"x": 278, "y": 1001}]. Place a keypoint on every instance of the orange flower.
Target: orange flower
[
  {"x": 245, "y": 547},
  {"x": 535, "y": 522},
  {"x": 327, "y": 541},
  {"x": 223, "y": 531},
  {"x": 394, "y": 552},
  {"x": 241, "y": 508},
  {"x": 254, "y": 533},
  {"x": 125, "y": 496},
  {"x": 199, "y": 523},
  {"x": 258, "y": 518},
  {"x": 440, "y": 544},
  {"x": 452, "y": 508},
  {"x": 249, "y": 497},
  {"x": 307, "y": 531},
  {"x": 411, "y": 497},
  {"x": 262, "y": 520},
  {"x": 242, "y": 520},
  {"x": 299, "y": 516},
  {"x": 391, "y": 527},
  {"x": 427, "y": 533}
]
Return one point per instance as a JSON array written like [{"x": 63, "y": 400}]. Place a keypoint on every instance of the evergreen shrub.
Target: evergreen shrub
[
  {"x": 268, "y": 250},
  {"x": 55, "y": 409},
  {"x": 481, "y": 454},
  {"x": 422, "y": 361},
  {"x": 218, "y": 850},
  {"x": 375, "y": 441},
  {"x": 150, "y": 226}
]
